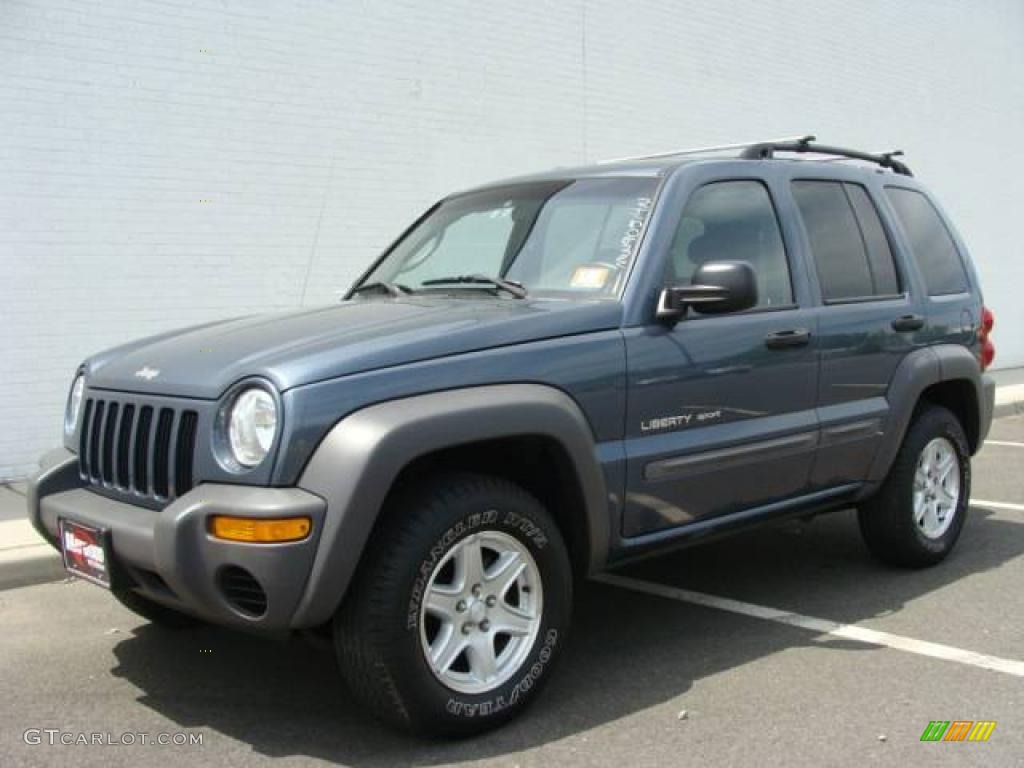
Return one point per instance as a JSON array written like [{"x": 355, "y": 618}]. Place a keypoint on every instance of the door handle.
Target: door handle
[
  {"x": 797, "y": 337},
  {"x": 908, "y": 323}
]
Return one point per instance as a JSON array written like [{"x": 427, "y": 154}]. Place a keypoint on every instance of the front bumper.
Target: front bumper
[{"x": 168, "y": 555}]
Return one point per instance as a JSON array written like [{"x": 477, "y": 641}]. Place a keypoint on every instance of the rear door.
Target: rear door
[
  {"x": 867, "y": 321},
  {"x": 721, "y": 408}
]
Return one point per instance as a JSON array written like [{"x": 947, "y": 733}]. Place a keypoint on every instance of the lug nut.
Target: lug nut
[
  {"x": 460, "y": 606},
  {"x": 485, "y": 625},
  {"x": 491, "y": 600},
  {"x": 467, "y": 627},
  {"x": 476, "y": 590}
]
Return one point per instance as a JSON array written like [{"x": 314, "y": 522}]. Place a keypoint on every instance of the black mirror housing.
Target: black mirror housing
[{"x": 717, "y": 287}]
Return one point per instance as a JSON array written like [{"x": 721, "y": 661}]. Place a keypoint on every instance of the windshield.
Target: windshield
[{"x": 554, "y": 238}]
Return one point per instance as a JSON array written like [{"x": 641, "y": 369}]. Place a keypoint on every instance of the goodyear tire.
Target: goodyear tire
[
  {"x": 457, "y": 615},
  {"x": 916, "y": 517}
]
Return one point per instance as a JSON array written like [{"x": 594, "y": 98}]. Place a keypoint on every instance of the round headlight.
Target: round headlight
[
  {"x": 74, "y": 405},
  {"x": 252, "y": 425}
]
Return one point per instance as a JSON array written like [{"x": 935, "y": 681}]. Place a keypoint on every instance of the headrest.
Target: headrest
[{"x": 720, "y": 243}]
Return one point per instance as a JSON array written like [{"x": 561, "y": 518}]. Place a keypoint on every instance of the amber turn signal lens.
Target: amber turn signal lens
[{"x": 260, "y": 530}]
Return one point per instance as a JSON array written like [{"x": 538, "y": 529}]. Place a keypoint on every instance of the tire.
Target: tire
[
  {"x": 420, "y": 553},
  {"x": 891, "y": 521},
  {"x": 158, "y": 614}
]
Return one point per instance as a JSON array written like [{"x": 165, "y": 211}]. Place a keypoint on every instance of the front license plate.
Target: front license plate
[{"x": 86, "y": 553}]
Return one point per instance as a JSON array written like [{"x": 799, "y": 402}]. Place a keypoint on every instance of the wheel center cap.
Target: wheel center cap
[{"x": 477, "y": 611}]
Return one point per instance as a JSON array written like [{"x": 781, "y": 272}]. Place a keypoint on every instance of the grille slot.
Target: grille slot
[
  {"x": 186, "y": 446},
  {"x": 141, "y": 456},
  {"x": 94, "y": 442},
  {"x": 124, "y": 439},
  {"x": 161, "y": 453},
  {"x": 107, "y": 462},
  {"x": 83, "y": 442},
  {"x": 132, "y": 447}
]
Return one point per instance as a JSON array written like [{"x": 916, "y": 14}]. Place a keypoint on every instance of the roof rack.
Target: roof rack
[
  {"x": 702, "y": 150},
  {"x": 767, "y": 149},
  {"x": 763, "y": 150}
]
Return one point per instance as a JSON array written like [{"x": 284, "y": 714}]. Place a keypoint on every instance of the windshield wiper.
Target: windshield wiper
[
  {"x": 391, "y": 289},
  {"x": 509, "y": 286}
]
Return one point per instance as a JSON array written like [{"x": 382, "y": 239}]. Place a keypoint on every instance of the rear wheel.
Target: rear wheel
[
  {"x": 916, "y": 517},
  {"x": 454, "y": 621}
]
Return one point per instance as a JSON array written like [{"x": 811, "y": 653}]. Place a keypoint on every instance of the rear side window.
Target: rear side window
[
  {"x": 930, "y": 241},
  {"x": 850, "y": 249},
  {"x": 880, "y": 260}
]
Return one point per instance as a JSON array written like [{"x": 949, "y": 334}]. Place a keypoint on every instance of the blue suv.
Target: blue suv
[{"x": 541, "y": 379}]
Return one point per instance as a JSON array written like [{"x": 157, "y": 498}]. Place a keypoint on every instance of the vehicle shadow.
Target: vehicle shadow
[{"x": 629, "y": 652}]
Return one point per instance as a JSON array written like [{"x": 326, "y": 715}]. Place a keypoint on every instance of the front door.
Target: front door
[{"x": 721, "y": 408}]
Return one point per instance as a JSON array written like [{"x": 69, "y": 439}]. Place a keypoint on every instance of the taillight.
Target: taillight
[{"x": 988, "y": 349}]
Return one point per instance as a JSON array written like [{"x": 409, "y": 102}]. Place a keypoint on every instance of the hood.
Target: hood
[{"x": 296, "y": 348}]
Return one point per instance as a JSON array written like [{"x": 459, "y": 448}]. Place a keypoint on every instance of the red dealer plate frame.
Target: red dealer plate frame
[{"x": 86, "y": 551}]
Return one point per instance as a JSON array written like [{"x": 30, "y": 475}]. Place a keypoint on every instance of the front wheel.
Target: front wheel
[
  {"x": 916, "y": 517},
  {"x": 454, "y": 621}
]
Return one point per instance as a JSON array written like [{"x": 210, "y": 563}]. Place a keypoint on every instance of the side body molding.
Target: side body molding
[
  {"x": 919, "y": 370},
  {"x": 356, "y": 464}
]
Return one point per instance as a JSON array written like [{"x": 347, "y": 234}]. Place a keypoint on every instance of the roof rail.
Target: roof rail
[
  {"x": 767, "y": 149},
  {"x": 700, "y": 150}
]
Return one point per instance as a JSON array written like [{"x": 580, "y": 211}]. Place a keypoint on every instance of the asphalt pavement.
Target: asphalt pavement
[{"x": 785, "y": 646}]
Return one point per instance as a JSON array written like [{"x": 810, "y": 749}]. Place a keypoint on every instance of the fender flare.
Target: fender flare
[
  {"x": 916, "y": 372},
  {"x": 357, "y": 463}
]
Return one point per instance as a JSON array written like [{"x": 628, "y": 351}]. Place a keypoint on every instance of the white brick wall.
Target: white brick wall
[{"x": 317, "y": 130}]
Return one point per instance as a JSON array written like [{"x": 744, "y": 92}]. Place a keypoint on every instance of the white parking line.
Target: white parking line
[
  {"x": 997, "y": 505},
  {"x": 823, "y": 626},
  {"x": 1004, "y": 443}
]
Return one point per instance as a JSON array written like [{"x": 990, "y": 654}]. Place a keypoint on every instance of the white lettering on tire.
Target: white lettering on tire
[{"x": 498, "y": 703}]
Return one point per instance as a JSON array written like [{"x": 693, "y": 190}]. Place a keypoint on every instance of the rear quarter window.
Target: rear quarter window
[{"x": 930, "y": 241}]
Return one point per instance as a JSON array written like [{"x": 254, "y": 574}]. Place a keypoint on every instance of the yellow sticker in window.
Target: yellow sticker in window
[{"x": 591, "y": 277}]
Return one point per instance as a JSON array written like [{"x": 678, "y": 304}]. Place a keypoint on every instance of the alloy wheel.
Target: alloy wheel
[
  {"x": 481, "y": 612},
  {"x": 936, "y": 487}
]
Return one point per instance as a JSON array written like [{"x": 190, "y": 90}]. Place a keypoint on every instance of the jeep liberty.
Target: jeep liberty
[{"x": 541, "y": 379}]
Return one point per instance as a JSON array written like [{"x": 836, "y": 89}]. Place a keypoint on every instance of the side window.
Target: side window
[
  {"x": 849, "y": 246},
  {"x": 930, "y": 241},
  {"x": 733, "y": 220},
  {"x": 880, "y": 259}
]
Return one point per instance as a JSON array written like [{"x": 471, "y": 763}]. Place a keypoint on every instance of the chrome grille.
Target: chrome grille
[{"x": 139, "y": 449}]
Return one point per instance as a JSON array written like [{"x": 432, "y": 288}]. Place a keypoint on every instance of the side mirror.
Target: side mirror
[{"x": 717, "y": 287}]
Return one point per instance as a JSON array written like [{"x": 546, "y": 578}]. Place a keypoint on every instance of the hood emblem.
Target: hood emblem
[{"x": 147, "y": 373}]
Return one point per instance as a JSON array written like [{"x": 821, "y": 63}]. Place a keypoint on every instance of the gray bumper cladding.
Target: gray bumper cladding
[{"x": 170, "y": 557}]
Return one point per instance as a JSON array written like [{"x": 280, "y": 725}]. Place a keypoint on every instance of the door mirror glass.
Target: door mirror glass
[{"x": 717, "y": 287}]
